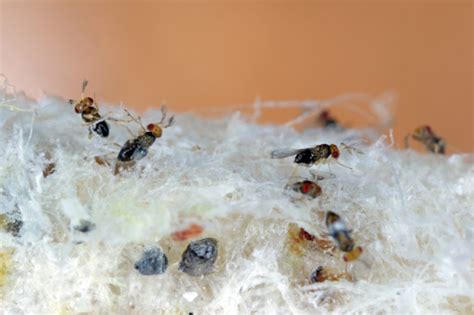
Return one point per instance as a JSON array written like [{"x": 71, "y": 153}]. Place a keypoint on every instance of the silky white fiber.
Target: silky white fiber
[{"x": 412, "y": 214}]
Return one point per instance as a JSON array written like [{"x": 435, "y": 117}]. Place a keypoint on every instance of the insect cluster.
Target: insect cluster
[
  {"x": 336, "y": 228},
  {"x": 133, "y": 149},
  {"x": 200, "y": 255}
]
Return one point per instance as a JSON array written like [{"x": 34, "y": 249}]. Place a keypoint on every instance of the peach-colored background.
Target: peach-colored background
[{"x": 205, "y": 53}]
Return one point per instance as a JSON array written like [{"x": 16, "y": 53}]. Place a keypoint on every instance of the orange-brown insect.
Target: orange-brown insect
[
  {"x": 341, "y": 236},
  {"x": 190, "y": 232},
  {"x": 322, "y": 274},
  {"x": 89, "y": 110},
  {"x": 300, "y": 239},
  {"x": 307, "y": 188},
  {"x": 432, "y": 142}
]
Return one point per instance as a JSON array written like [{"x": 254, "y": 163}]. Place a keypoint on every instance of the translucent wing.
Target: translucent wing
[{"x": 283, "y": 153}]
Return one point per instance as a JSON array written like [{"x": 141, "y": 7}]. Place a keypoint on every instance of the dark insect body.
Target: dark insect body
[
  {"x": 101, "y": 128},
  {"x": 199, "y": 257},
  {"x": 153, "y": 262},
  {"x": 137, "y": 148},
  {"x": 341, "y": 235}
]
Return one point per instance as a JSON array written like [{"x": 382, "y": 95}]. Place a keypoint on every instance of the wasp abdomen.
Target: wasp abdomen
[
  {"x": 127, "y": 152},
  {"x": 101, "y": 128},
  {"x": 305, "y": 157}
]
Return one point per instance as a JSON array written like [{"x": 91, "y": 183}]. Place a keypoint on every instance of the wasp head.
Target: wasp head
[
  {"x": 83, "y": 104},
  {"x": 155, "y": 129},
  {"x": 334, "y": 151},
  {"x": 423, "y": 132}
]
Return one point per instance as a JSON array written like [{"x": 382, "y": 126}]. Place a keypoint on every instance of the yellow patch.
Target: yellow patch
[
  {"x": 5, "y": 263},
  {"x": 354, "y": 254}
]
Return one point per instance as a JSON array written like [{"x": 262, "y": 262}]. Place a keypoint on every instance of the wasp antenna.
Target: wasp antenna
[
  {"x": 84, "y": 85},
  {"x": 164, "y": 112},
  {"x": 350, "y": 149},
  {"x": 138, "y": 120},
  {"x": 170, "y": 122}
]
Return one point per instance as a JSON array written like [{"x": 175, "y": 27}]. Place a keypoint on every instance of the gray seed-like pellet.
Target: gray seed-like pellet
[
  {"x": 153, "y": 262},
  {"x": 199, "y": 257}
]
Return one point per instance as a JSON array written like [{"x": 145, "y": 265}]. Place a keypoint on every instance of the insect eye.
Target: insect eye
[
  {"x": 307, "y": 186},
  {"x": 334, "y": 151},
  {"x": 150, "y": 127},
  {"x": 324, "y": 115}
]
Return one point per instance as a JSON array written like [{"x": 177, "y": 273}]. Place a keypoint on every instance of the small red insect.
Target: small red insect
[
  {"x": 307, "y": 187},
  {"x": 301, "y": 240},
  {"x": 192, "y": 231}
]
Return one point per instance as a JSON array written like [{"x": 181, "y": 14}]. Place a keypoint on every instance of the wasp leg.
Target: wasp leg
[
  {"x": 293, "y": 175},
  {"x": 350, "y": 149},
  {"x": 90, "y": 131},
  {"x": 84, "y": 85},
  {"x": 322, "y": 175}
]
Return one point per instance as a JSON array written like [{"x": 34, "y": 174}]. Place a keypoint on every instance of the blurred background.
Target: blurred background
[{"x": 201, "y": 54}]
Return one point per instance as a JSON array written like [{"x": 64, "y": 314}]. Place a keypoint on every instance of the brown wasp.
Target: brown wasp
[
  {"x": 320, "y": 153},
  {"x": 89, "y": 110},
  {"x": 137, "y": 148},
  {"x": 432, "y": 142},
  {"x": 341, "y": 236}
]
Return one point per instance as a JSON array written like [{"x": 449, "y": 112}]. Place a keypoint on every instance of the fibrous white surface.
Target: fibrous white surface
[{"x": 412, "y": 213}]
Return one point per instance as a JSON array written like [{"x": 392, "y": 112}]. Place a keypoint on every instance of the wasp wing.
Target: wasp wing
[{"x": 283, "y": 153}]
